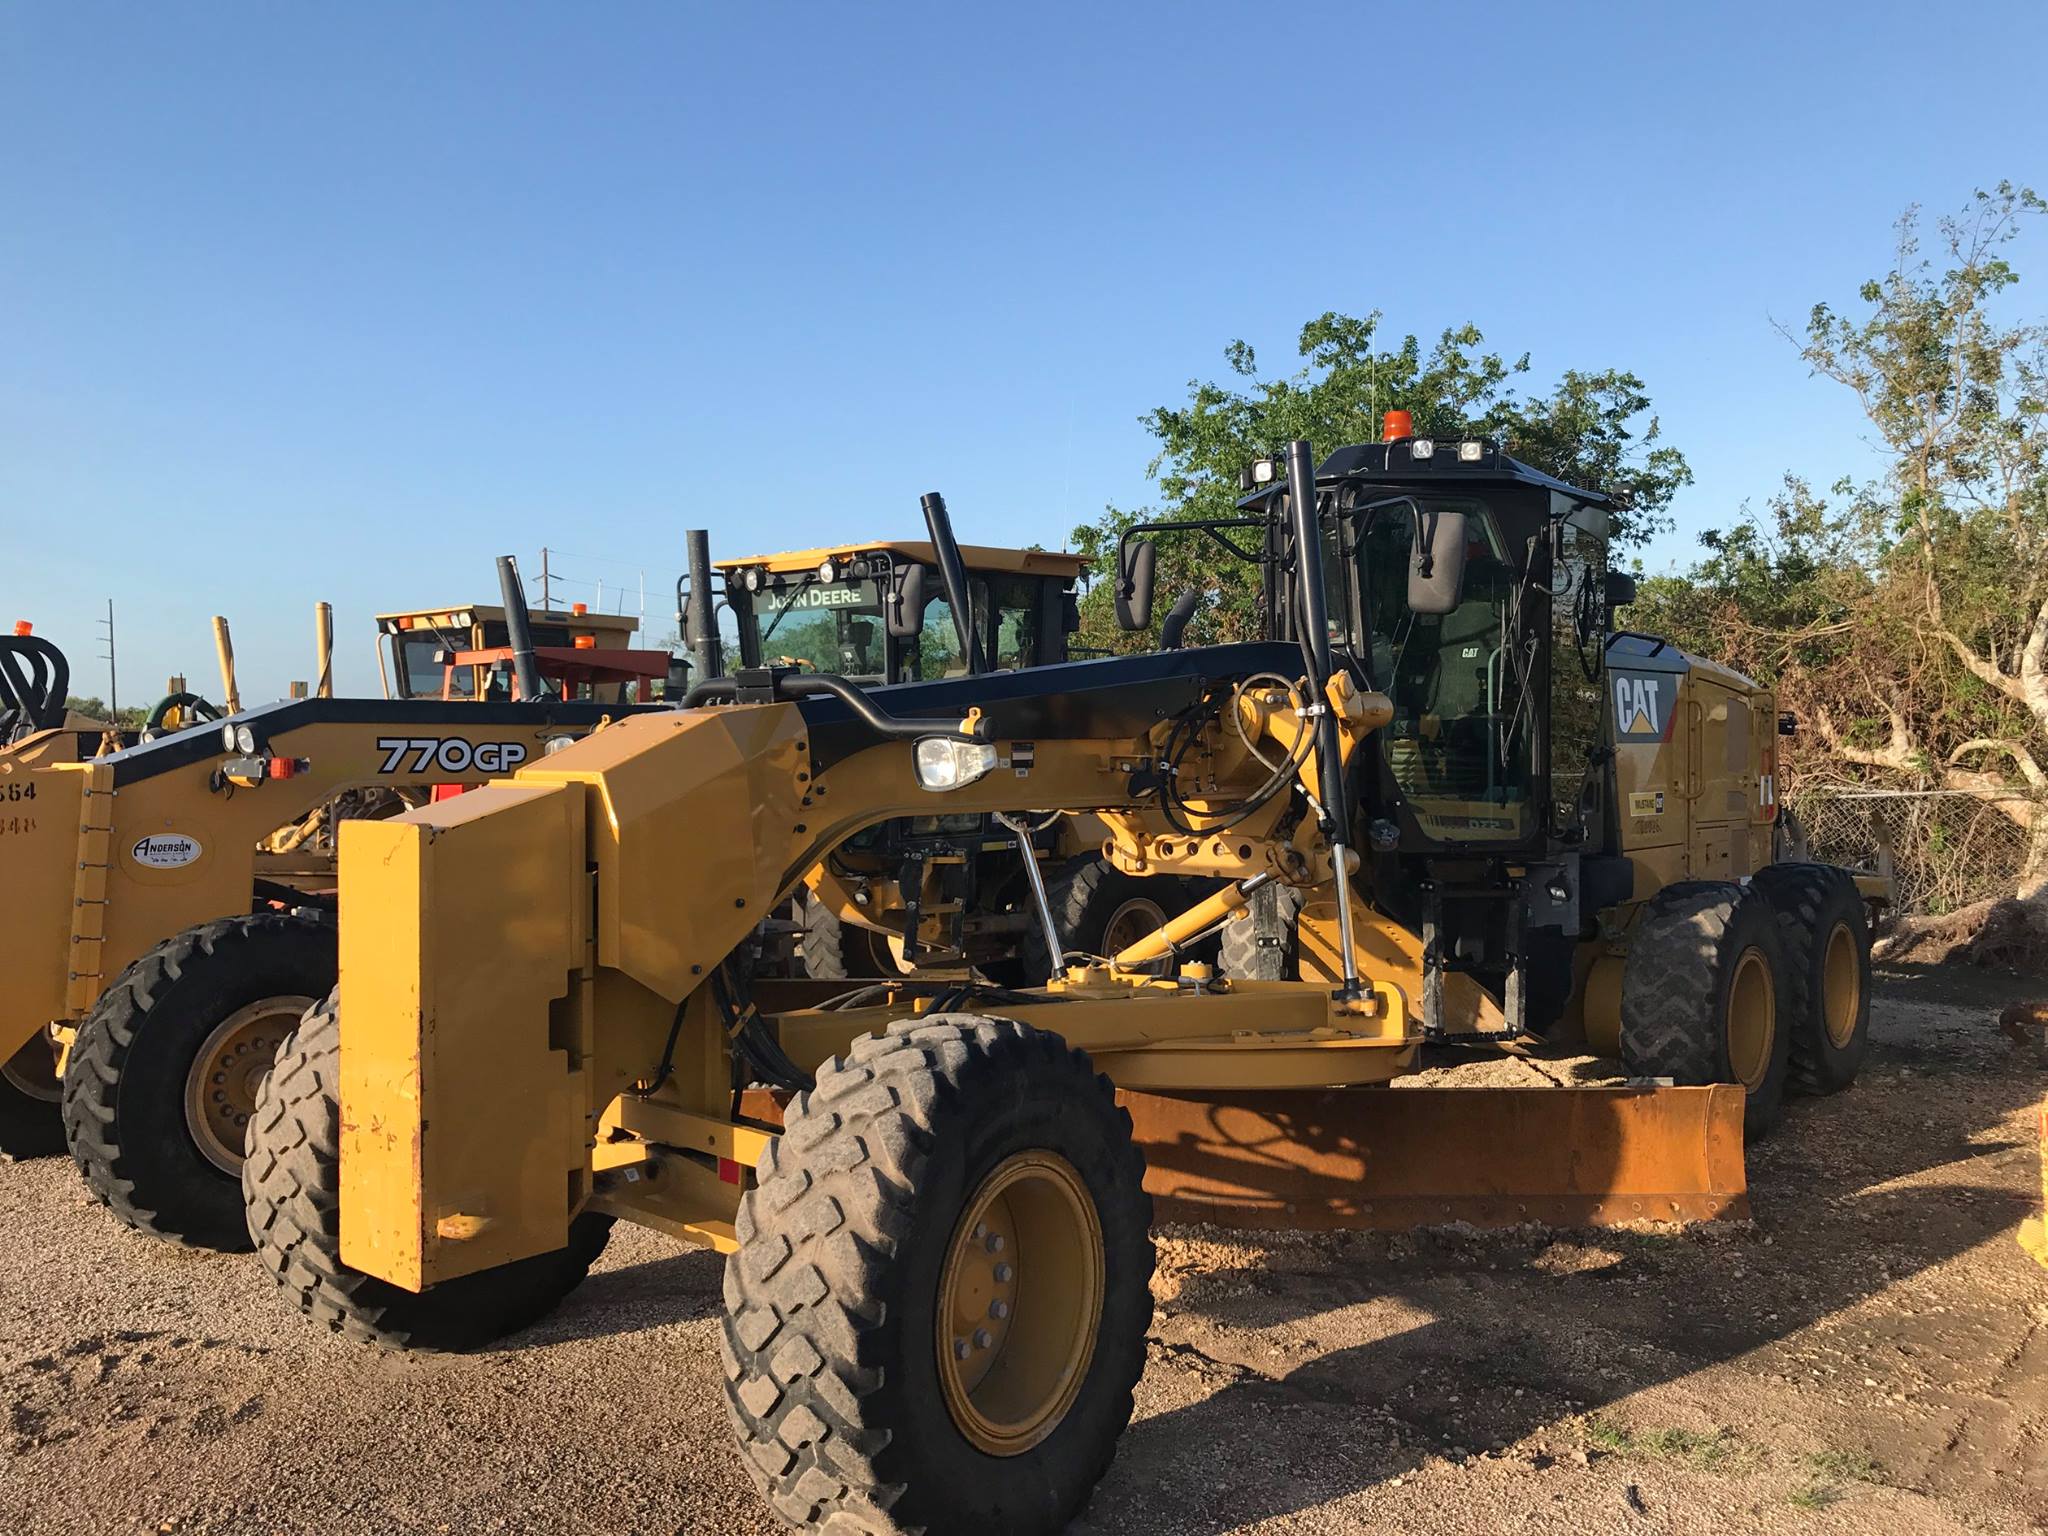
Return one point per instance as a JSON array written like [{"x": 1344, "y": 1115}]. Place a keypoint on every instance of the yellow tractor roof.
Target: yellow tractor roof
[
  {"x": 462, "y": 615},
  {"x": 980, "y": 558}
]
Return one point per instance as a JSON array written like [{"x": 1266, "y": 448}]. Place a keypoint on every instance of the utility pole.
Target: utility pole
[
  {"x": 113, "y": 691},
  {"x": 547, "y": 591}
]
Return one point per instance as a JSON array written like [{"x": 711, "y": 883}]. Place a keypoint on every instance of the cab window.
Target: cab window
[
  {"x": 1458, "y": 747},
  {"x": 1015, "y": 601}
]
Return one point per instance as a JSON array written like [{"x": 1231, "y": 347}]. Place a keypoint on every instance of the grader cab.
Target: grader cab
[{"x": 935, "y": 1204}]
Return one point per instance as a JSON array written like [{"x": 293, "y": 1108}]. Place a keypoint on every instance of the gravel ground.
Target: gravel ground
[{"x": 1870, "y": 1356}]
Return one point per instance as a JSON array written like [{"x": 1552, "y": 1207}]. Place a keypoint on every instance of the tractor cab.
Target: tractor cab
[
  {"x": 875, "y": 613},
  {"x": 465, "y": 652},
  {"x": 1472, "y": 590}
]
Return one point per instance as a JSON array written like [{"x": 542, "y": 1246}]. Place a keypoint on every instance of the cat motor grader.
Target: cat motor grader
[
  {"x": 942, "y": 889},
  {"x": 933, "y": 1204},
  {"x": 168, "y": 910}
]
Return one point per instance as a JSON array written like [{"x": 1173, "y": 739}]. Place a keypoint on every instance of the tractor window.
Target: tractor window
[
  {"x": 1016, "y": 617},
  {"x": 1458, "y": 746},
  {"x": 826, "y": 626},
  {"x": 938, "y": 646},
  {"x": 422, "y": 677},
  {"x": 936, "y": 651}
]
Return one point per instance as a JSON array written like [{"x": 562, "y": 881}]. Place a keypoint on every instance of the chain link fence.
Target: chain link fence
[{"x": 1945, "y": 848}]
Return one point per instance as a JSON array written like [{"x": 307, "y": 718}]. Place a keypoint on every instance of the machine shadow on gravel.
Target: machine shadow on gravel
[{"x": 1503, "y": 1322}]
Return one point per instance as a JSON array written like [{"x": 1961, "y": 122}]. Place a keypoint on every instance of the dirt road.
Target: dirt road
[{"x": 1871, "y": 1356}]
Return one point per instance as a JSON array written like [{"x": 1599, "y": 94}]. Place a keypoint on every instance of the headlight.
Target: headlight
[
  {"x": 943, "y": 763},
  {"x": 239, "y": 738},
  {"x": 827, "y": 571},
  {"x": 557, "y": 744},
  {"x": 227, "y": 738}
]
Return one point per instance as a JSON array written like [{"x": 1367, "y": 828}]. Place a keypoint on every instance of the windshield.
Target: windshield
[
  {"x": 827, "y": 626},
  {"x": 1458, "y": 747}
]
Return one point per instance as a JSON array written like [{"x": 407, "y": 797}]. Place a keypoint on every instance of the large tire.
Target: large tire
[
  {"x": 853, "y": 1306},
  {"x": 1263, "y": 945},
  {"x": 1097, "y": 909},
  {"x": 31, "y": 1121},
  {"x": 1826, "y": 936},
  {"x": 1703, "y": 994},
  {"x": 832, "y": 949},
  {"x": 163, "y": 1076},
  {"x": 291, "y": 1185}
]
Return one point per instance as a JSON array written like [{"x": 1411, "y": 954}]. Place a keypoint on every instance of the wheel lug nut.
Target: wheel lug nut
[
  {"x": 959, "y": 1349},
  {"x": 995, "y": 1242},
  {"x": 983, "y": 1338},
  {"x": 1003, "y": 1273},
  {"x": 999, "y": 1310},
  {"x": 980, "y": 1227}
]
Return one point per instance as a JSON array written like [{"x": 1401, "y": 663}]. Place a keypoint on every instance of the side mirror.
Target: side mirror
[
  {"x": 1137, "y": 566},
  {"x": 903, "y": 613},
  {"x": 1436, "y": 565},
  {"x": 1619, "y": 590},
  {"x": 1070, "y": 613}
]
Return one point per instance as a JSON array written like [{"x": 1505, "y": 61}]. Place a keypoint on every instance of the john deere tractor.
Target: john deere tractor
[{"x": 939, "y": 890}]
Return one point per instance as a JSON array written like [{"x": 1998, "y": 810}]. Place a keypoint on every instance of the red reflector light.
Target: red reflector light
[
  {"x": 439, "y": 792},
  {"x": 1397, "y": 424},
  {"x": 280, "y": 768},
  {"x": 728, "y": 1171}
]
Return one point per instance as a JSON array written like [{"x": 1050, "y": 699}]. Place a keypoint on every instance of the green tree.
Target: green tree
[
  {"x": 1592, "y": 429},
  {"x": 96, "y": 709},
  {"x": 1906, "y": 617}
]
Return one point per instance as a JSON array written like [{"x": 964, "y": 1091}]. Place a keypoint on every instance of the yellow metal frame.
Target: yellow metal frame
[
  {"x": 78, "y": 904},
  {"x": 535, "y": 955}
]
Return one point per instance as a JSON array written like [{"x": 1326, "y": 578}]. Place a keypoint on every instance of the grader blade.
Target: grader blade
[{"x": 1413, "y": 1157}]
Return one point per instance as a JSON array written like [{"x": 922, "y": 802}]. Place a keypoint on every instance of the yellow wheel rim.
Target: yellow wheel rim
[
  {"x": 1752, "y": 1020},
  {"x": 1019, "y": 1303},
  {"x": 221, "y": 1088},
  {"x": 1841, "y": 998}
]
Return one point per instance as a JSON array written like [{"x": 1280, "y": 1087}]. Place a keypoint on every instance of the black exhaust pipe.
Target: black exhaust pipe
[
  {"x": 953, "y": 572},
  {"x": 705, "y": 652},
  {"x": 518, "y": 630}
]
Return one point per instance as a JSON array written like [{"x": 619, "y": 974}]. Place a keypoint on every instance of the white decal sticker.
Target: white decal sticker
[{"x": 166, "y": 850}]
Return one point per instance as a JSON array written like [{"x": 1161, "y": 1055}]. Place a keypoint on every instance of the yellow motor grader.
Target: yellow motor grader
[
  {"x": 168, "y": 906},
  {"x": 935, "y": 1206}
]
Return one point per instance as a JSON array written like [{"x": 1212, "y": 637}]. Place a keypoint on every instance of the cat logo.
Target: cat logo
[{"x": 1642, "y": 710}]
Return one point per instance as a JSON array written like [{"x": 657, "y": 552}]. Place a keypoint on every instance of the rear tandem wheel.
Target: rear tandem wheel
[
  {"x": 163, "y": 1077},
  {"x": 31, "y": 1124}
]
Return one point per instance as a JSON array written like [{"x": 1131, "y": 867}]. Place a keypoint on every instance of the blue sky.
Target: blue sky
[{"x": 342, "y": 302}]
